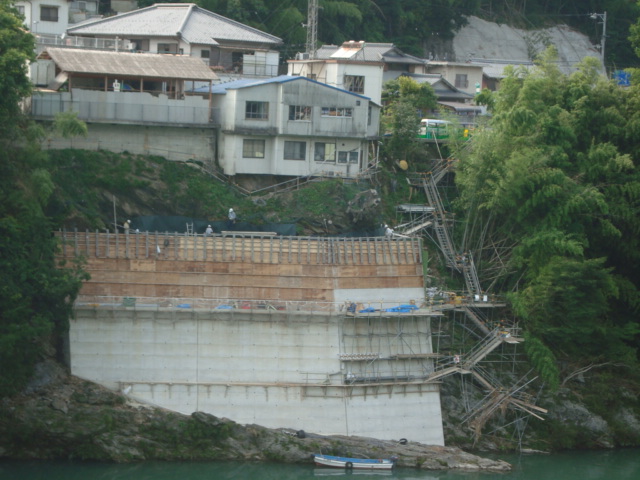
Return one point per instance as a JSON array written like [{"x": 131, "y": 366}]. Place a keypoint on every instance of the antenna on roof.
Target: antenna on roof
[{"x": 312, "y": 29}]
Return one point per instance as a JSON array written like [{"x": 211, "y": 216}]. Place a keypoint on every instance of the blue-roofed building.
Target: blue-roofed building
[
  {"x": 293, "y": 126},
  {"x": 185, "y": 28}
]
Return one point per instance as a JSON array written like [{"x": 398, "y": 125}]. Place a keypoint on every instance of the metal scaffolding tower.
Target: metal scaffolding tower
[{"x": 312, "y": 29}]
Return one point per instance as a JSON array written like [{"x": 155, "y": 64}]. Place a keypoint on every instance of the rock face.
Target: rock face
[
  {"x": 493, "y": 42},
  {"x": 73, "y": 419}
]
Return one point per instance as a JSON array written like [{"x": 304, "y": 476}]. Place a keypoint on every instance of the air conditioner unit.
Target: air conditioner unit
[
  {"x": 302, "y": 56},
  {"x": 127, "y": 45}
]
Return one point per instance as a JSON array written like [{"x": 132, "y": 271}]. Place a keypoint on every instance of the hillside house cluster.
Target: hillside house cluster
[{"x": 145, "y": 80}]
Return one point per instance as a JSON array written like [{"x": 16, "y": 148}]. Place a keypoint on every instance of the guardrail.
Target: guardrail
[{"x": 204, "y": 304}]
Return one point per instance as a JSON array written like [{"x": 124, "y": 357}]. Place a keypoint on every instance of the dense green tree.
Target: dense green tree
[
  {"x": 35, "y": 295},
  {"x": 16, "y": 51},
  {"x": 404, "y": 101},
  {"x": 552, "y": 187}
]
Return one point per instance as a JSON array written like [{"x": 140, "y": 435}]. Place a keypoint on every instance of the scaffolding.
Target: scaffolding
[
  {"x": 387, "y": 347},
  {"x": 471, "y": 322}
]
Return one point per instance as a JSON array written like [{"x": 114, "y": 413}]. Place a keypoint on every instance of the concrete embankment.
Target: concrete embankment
[{"x": 63, "y": 417}]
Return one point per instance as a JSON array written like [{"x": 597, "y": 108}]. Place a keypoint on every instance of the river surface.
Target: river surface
[{"x": 610, "y": 465}]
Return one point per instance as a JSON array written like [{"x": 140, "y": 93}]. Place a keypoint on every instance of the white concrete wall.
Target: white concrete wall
[
  {"x": 172, "y": 143},
  {"x": 38, "y": 26},
  {"x": 251, "y": 367},
  {"x": 380, "y": 297},
  {"x": 332, "y": 73}
]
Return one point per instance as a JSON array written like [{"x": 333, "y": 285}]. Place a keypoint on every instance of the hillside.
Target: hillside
[
  {"x": 91, "y": 185},
  {"x": 489, "y": 41}
]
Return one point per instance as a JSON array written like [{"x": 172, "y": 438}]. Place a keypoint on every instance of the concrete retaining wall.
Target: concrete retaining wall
[
  {"x": 173, "y": 143},
  {"x": 277, "y": 369}
]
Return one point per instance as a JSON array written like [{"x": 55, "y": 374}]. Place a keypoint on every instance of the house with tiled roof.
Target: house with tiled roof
[
  {"x": 358, "y": 67},
  {"x": 363, "y": 67},
  {"x": 187, "y": 29},
  {"x": 293, "y": 126}
]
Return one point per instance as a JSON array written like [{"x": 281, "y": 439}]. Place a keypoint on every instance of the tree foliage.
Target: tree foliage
[
  {"x": 555, "y": 179},
  {"x": 16, "y": 51},
  {"x": 35, "y": 295},
  {"x": 404, "y": 100}
]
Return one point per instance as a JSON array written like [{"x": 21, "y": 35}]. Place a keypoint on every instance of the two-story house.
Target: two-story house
[
  {"x": 358, "y": 67},
  {"x": 186, "y": 29},
  {"x": 465, "y": 76},
  {"x": 293, "y": 126},
  {"x": 364, "y": 67}
]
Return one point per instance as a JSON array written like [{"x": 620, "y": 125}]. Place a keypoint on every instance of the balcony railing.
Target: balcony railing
[{"x": 125, "y": 108}]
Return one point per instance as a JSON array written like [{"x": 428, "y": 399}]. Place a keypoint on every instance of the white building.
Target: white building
[
  {"x": 293, "y": 126},
  {"x": 45, "y": 17}
]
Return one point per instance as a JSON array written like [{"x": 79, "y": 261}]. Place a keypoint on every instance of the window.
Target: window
[
  {"x": 354, "y": 83},
  {"x": 348, "y": 157},
  {"x": 295, "y": 150},
  {"x": 205, "y": 53},
  {"x": 167, "y": 48},
  {"x": 236, "y": 61},
  {"x": 325, "y": 152},
  {"x": 253, "y": 148},
  {"x": 257, "y": 110},
  {"x": 48, "y": 14},
  {"x": 299, "y": 113},
  {"x": 337, "y": 112},
  {"x": 20, "y": 9},
  {"x": 461, "y": 80}
]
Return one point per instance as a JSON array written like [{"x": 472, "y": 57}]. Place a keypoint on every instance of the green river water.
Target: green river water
[{"x": 609, "y": 465}]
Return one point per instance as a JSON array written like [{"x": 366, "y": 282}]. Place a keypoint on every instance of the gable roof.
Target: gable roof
[
  {"x": 221, "y": 88},
  {"x": 182, "y": 20},
  {"x": 146, "y": 65},
  {"x": 495, "y": 68},
  {"x": 441, "y": 86},
  {"x": 366, "y": 52}
]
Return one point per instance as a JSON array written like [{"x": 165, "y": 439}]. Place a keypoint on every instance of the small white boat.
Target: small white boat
[{"x": 354, "y": 463}]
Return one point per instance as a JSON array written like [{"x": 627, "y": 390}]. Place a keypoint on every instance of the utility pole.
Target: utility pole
[
  {"x": 312, "y": 29},
  {"x": 603, "y": 18}
]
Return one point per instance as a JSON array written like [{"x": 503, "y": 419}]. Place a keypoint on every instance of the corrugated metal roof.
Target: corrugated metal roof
[
  {"x": 221, "y": 88},
  {"x": 148, "y": 65},
  {"x": 185, "y": 20}
]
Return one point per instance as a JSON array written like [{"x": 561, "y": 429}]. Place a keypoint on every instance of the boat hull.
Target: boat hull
[{"x": 353, "y": 463}]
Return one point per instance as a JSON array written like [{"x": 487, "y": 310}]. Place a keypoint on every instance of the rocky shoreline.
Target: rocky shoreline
[{"x": 63, "y": 417}]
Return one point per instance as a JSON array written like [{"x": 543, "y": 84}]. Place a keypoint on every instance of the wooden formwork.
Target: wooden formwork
[{"x": 282, "y": 268}]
